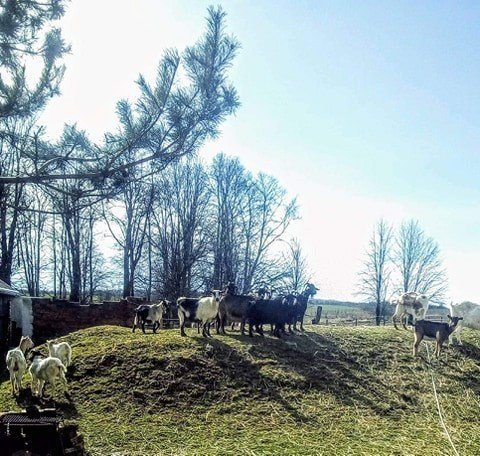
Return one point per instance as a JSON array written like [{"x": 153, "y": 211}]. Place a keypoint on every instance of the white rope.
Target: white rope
[{"x": 438, "y": 404}]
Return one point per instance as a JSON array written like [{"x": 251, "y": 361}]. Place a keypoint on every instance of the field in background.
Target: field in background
[
  {"x": 332, "y": 390},
  {"x": 335, "y": 312},
  {"x": 348, "y": 313}
]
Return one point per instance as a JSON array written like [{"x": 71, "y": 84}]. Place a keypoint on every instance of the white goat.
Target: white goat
[
  {"x": 411, "y": 303},
  {"x": 203, "y": 310},
  {"x": 471, "y": 317},
  {"x": 44, "y": 370},
  {"x": 17, "y": 364},
  {"x": 62, "y": 351}
]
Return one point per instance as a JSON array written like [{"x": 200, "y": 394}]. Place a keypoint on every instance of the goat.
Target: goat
[
  {"x": 264, "y": 311},
  {"x": 152, "y": 313},
  {"x": 292, "y": 310},
  {"x": 302, "y": 303},
  {"x": 471, "y": 317},
  {"x": 17, "y": 364},
  {"x": 233, "y": 307},
  {"x": 46, "y": 370},
  {"x": 62, "y": 351},
  {"x": 263, "y": 293},
  {"x": 203, "y": 310},
  {"x": 411, "y": 303},
  {"x": 439, "y": 331}
]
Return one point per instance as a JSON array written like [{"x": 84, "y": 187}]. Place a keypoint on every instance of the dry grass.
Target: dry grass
[{"x": 333, "y": 390}]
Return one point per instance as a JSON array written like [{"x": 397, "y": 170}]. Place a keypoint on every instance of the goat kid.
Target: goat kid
[
  {"x": 17, "y": 364},
  {"x": 439, "y": 331},
  {"x": 46, "y": 370},
  {"x": 62, "y": 351}
]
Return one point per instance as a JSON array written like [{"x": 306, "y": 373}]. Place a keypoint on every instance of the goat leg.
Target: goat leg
[{"x": 242, "y": 327}]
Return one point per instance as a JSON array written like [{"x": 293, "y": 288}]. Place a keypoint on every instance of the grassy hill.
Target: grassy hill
[{"x": 332, "y": 391}]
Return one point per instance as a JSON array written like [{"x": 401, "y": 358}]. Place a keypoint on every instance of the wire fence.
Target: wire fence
[{"x": 320, "y": 318}]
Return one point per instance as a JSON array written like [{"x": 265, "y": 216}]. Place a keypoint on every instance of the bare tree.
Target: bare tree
[
  {"x": 31, "y": 235},
  {"x": 180, "y": 235},
  {"x": 127, "y": 219},
  {"x": 229, "y": 183},
  {"x": 375, "y": 276},
  {"x": 252, "y": 214},
  {"x": 268, "y": 216},
  {"x": 12, "y": 142},
  {"x": 417, "y": 259},
  {"x": 296, "y": 273}
]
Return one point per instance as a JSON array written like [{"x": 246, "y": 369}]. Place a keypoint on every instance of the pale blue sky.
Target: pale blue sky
[{"x": 362, "y": 109}]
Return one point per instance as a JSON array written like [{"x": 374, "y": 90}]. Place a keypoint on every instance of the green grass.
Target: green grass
[{"x": 332, "y": 391}]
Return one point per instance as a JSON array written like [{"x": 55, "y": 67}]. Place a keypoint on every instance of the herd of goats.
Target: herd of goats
[{"x": 229, "y": 307}]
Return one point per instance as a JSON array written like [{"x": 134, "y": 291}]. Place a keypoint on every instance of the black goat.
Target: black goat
[{"x": 268, "y": 311}]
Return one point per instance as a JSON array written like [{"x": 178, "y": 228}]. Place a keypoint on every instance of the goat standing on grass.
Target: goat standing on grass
[
  {"x": 233, "y": 307},
  {"x": 302, "y": 304},
  {"x": 203, "y": 310},
  {"x": 17, "y": 364},
  {"x": 149, "y": 314},
  {"x": 471, "y": 317},
  {"x": 439, "y": 331},
  {"x": 410, "y": 303},
  {"x": 62, "y": 351},
  {"x": 43, "y": 370}
]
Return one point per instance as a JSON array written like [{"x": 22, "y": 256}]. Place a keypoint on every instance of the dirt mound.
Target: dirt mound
[{"x": 164, "y": 370}]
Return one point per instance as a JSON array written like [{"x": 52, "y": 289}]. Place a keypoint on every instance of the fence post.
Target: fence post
[
  {"x": 316, "y": 320},
  {"x": 326, "y": 321},
  {"x": 356, "y": 321}
]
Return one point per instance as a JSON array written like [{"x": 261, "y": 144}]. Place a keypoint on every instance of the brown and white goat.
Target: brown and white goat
[
  {"x": 439, "y": 331},
  {"x": 411, "y": 303}
]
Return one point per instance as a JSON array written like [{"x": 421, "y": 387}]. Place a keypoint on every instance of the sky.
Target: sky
[{"x": 362, "y": 110}]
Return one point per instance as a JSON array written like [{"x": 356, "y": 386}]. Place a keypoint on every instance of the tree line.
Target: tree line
[{"x": 177, "y": 225}]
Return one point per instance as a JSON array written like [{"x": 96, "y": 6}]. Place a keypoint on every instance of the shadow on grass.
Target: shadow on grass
[
  {"x": 61, "y": 402},
  {"x": 146, "y": 377},
  {"x": 469, "y": 351},
  {"x": 467, "y": 375},
  {"x": 319, "y": 363}
]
